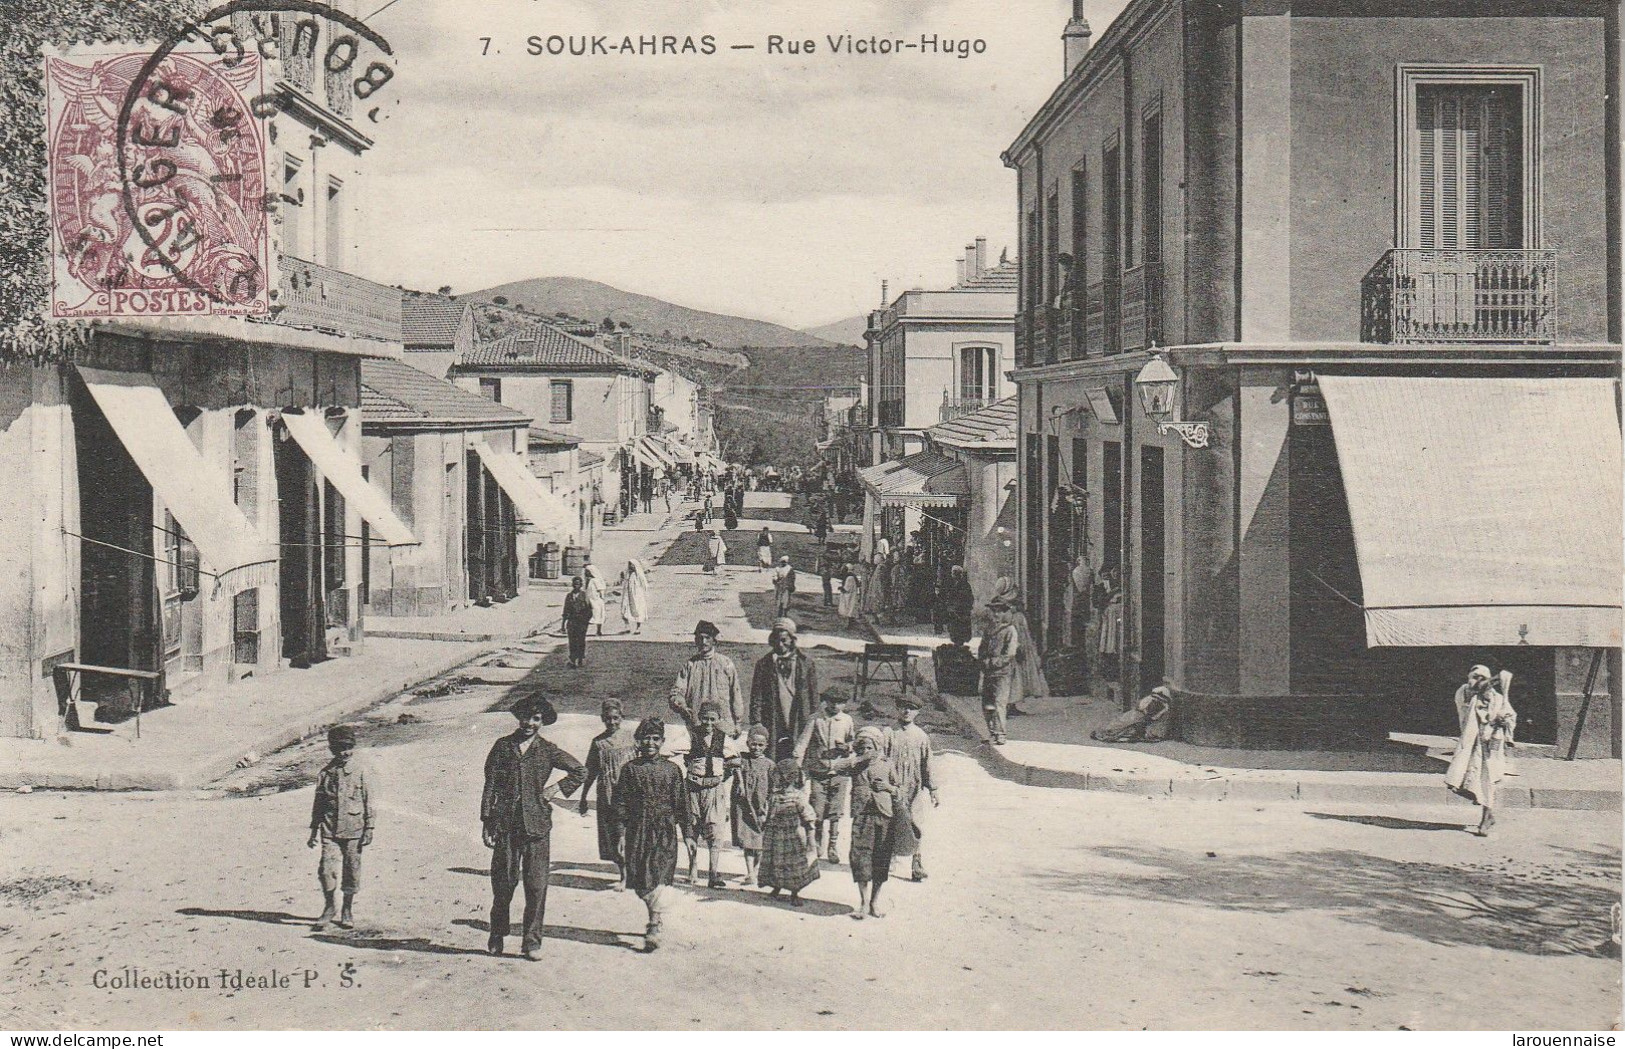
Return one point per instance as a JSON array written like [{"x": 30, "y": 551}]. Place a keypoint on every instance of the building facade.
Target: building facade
[{"x": 1379, "y": 249}]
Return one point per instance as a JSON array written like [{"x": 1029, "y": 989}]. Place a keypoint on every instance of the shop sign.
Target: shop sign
[{"x": 1309, "y": 407}]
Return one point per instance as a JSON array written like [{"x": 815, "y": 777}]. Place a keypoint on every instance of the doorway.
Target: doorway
[
  {"x": 1153, "y": 537},
  {"x": 304, "y": 616}
]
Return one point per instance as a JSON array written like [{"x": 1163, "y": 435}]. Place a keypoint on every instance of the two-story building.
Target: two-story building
[
  {"x": 1365, "y": 261},
  {"x": 933, "y": 355}
]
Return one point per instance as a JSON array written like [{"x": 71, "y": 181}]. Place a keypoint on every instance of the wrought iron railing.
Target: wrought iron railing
[
  {"x": 1043, "y": 336},
  {"x": 316, "y": 296},
  {"x": 1427, "y": 295},
  {"x": 954, "y": 407}
]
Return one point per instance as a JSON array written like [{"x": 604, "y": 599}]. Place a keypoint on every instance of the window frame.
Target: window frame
[
  {"x": 568, "y": 386},
  {"x": 1408, "y": 76}
]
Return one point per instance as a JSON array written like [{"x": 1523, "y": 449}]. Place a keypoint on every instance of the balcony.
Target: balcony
[
  {"x": 889, "y": 413},
  {"x": 1426, "y": 295},
  {"x": 954, "y": 407},
  {"x": 1023, "y": 340},
  {"x": 316, "y": 296}
]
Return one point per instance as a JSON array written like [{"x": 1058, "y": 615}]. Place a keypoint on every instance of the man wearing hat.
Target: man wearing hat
[
  {"x": 783, "y": 690},
  {"x": 709, "y": 675},
  {"x": 997, "y": 655},
  {"x": 341, "y": 823},
  {"x": 517, "y": 814}
]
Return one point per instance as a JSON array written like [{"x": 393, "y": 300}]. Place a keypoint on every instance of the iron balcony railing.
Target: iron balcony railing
[
  {"x": 1492, "y": 295},
  {"x": 316, "y": 296},
  {"x": 954, "y": 407}
]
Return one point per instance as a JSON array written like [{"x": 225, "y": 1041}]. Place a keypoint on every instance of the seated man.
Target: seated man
[{"x": 1149, "y": 721}]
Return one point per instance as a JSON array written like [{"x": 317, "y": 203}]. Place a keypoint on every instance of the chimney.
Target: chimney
[
  {"x": 959, "y": 266},
  {"x": 970, "y": 262},
  {"x": 884, "y": 298},
  {"x": 981, "y": 255},
  {"x": 1075, "y": 38}
]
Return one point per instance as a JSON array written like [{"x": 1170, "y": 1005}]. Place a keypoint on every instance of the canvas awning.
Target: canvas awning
[
  {"x": 675, "y": 450},
  {"x": 707, "y": 461},
  {"x": 343, "y": 472},
  {"x": 195, "y": 491},
  {"x": 922, "y": 479},
  {"x": 1486, "y": 511},
  {"x": 651, "y": 453},
  {"x": 545, "y": 511}
]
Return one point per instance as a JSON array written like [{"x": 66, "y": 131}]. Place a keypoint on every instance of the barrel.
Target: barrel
[
  {"x": 550, "y": 560},
  {"x": 575, "y": 560}
]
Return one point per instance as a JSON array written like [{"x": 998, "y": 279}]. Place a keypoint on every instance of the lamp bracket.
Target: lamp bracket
[{"x": 1195, "y": 435}]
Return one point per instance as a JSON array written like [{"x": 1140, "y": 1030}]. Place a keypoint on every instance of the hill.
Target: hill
[
  {"x": 848, "y": 332},
  {"x": 592, "y": 300}
]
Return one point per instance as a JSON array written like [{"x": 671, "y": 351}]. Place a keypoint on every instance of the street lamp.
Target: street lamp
[{"x": 1158, "y": 386}]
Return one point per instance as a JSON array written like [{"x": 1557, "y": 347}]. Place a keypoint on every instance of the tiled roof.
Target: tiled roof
[
  {"x": 922, "y": 479},
  {"x": 541, "y": 436},
  {"x": 431, "y": 320},
  {"x": 993, "y": 427},
  {"x": 1003, "y": 277},
  {"x": 543, "y": 347},
  {"x": 397, "y": 394},
  {"x": 586, "y": 460}
]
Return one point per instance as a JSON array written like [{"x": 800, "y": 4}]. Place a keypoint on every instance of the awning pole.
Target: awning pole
[{"x": 1585, "y": 702}]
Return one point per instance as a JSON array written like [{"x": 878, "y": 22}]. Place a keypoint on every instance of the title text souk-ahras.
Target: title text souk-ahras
[{"x": 842, "y": 44}]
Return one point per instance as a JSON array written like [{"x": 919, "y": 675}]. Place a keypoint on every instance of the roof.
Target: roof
[
  {"x": 545, "y": 348},
  {"x": 397, "y": 394},
  {"x": 1006, "y": 276},
  {"x": 922, "y": 479},
  {"x": 989, "y": 429},
  {"x": 540, "y": 436},
  {"x": 586, "y": 459},
  {"x": 431, "y": 320}
]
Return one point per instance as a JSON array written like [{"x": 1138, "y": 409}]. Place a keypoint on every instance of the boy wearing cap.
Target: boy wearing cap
[
  {"x": 827, "y": 738},
  {"x": 908, "y": 748},
  {"x": 517, "y": 816},
  {"x": 341, "y": 823}
]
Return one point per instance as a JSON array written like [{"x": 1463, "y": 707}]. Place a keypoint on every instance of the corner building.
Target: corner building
[{"x": 1379, "y": 247}]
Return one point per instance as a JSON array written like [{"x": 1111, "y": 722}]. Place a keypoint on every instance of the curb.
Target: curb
[{"x": 1224, "y": 788}]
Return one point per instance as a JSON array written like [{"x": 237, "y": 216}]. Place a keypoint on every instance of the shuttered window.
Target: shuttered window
[
  {"x": 1469, "y": 167},
  {"x": 563, "y": 404}
]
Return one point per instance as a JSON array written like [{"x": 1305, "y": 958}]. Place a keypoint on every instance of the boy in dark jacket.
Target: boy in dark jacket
[{"x": 341, "y": 823}]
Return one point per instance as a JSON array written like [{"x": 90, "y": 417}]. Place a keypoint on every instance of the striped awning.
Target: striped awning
[
  {"x": 922, "y": 479},
  {"x": 651, "y": 452}
]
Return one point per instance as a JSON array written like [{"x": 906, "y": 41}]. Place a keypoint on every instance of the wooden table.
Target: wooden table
[{"x": 64, "y": 674}]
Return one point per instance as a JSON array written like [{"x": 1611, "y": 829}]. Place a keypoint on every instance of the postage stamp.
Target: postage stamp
[{"x": 179, "y": 227}]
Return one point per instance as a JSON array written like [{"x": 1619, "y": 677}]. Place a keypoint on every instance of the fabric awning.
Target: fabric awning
[
  {"x": 1486, "y": 511},
  {"x": 196, "y": 492},
  {"x": 343, "y": 472},
  {"x": 675, "y": 450},
  {"x": 648, "y": 451},
  {"x": 710, "y": 462},
  {"x": 545, "y": 511},
  {"x": 922, "y": 479}
]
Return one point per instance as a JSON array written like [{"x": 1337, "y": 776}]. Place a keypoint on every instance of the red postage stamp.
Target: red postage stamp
[{"x": 158, "y": 201}]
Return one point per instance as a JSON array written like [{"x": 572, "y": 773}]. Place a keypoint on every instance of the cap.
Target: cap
[
  {"x": 785, "y": 625},
  {"x": 706, "y": 627},
  {"x": 611, "y": 704},
  {"x": 341, "y": 735},
  {"x": 712, "y": 705},
  {"x": 871, "y": 733},
  {"x": 784, "y": 560},
  {"x": 534, "y": 703},
  {"x": 650, "y": 726},
  {"x": 909, "y": 703}
]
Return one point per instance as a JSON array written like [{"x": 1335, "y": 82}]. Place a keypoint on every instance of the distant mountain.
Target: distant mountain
[
  {"x": 592, "y": 301},
  {"x": 848, "y": 332}
]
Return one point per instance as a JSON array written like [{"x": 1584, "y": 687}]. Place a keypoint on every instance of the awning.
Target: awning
[
  {"x": 675, "y": 450},
  {"x": 921, "y": 479},
  {"x": 196, "y": 492},
  {"x": 545, "y": 511},
  {"x": 343, "y": 472},
  {"x": 651, "y": 453},
  {"x": 707, "y": 461},
  {"x": 1486, "y": 511}
]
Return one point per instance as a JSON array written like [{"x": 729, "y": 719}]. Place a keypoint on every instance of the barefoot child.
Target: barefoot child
[
  {"x": 751, "y": 790},
  {"x": 826, "y": 738},
  {"x": 789, "y": 855},
  {"x": 341, "y": 823},
  {"x": 653, "y": 808},
  {"x": 874, "y": 788},
  {"x": 707, "y": 799},
  {"x": 611, "y": 750},
  {"x": 908, "y": 747}
]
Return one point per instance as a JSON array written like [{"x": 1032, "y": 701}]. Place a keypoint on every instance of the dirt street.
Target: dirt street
[{"x": 1044, "y": 909}]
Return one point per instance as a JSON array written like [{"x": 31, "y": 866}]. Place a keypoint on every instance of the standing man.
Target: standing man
[
  {"x": 1001, "y": 643},
  {"x": 517, "y": 812},
  {"x": 1488, "y": 724},
  {"x": 783, "y": 690},
  {"x": 709, "y": 676},
  {"x": 577, "y": 618},
  {"x": 784, "y": 587}
]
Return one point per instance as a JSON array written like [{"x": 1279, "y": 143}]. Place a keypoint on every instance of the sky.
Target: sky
[{"x": 781, "y": 187}]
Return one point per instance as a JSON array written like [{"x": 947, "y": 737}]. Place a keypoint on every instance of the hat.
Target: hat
[
  {"x": 706, "y": 627},
  {"x": 757, "y": 732},
  {"x": 341, "y": 735},
  {"x": 1481, "y": 670},
  {"x": 711, "y": 705},
  {"x": 534, "y": 703},
  {"x": 909, "y": 703},
  {"x": 611, "y": 704},
  {"x": 873, "y": 734},
  {"x": 1164, "y": 691},
  {"x": 785, "y": 625},
  {"x": 784, "y": 560},
  {"x": 650, "y": 726}
]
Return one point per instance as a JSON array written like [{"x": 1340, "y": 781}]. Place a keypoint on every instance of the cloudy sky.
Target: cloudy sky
[{"x": 779, "y": 187}]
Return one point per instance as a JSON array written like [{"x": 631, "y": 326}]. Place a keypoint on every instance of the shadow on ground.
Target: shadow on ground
[{"x": 1539, "y": 909}]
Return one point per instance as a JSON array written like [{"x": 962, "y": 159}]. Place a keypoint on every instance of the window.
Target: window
[
  {"x": 1151, "y": 219},
  {"x": 563, "y": 400},
  {"x": 1052, "y": 245},
  {"x": 1128, "y": 197},
  {"x": 978, "y": 375},
  {"x": 245, "y": 627},
  {"x": 336, "y": 202},
  {"x": 1080, "y": 252},
  {"x": 491, "y": 389},
  {"x": 245, "y": 464},
  {"x": 291, "y": 206},
  {"x": 1111, "y": 259},
  {"x": 333, "y": 517},
  {"x": 1031, "y": 264}
]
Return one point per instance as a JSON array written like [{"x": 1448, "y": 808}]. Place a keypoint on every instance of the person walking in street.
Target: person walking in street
[
  {"x": 874, "y": 807},
  {"x": 826, "y": 573},
  {"x": 595, "y": 597},
  {"x": 784, "y": 587},
  {"x": 821, "y": 526},
  {"x": 708, "y": 675},
  {"x": 341, "y": 824},
  {"x": 1488, "y": 724},
  {"x": 851, "y": 596},
  {"x": 716, "y": 552},
  {"x": 634, "y": 587},
  {"x": 908, "y": 748},
  {"x": 577, "y": 617},
  {"x": 897, "y": 585},
  {"x": 752, "y": 775},
  {"x": 825, "y": 739},
  {"x": 653, "y": 808},
  {"x": 783, "y": 690},
  {"x": 608, "y": 756},
  {"x": 877, "y": 592},
  {"x": 789, "y": 855},
  {"x": 997, "y": 656},
  {"x": 764, "y": 549},
  {"x": 516, "y": 814}
]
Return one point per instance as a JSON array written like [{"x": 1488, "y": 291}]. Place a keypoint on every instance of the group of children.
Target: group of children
[{"x": 784, "y": 815}]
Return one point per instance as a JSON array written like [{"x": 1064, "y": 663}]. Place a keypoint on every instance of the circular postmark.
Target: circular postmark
[{"x": 192, "y": 138}]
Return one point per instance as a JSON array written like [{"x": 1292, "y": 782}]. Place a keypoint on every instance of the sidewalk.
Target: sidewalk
[
  {"x": 197, "y": 741},
  {"x": 1049, "y": 748}
]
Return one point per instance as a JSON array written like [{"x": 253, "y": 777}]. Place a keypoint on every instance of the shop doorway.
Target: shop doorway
[
  {"x": 304, "y": 616},
  {"x": 1153, "y": 538}
]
